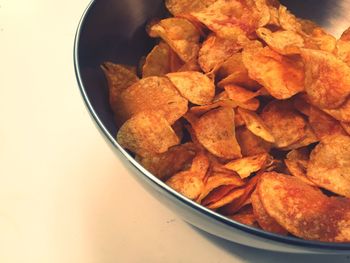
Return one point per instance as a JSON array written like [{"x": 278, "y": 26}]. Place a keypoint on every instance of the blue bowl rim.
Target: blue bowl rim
[{"x": 163, "y": 187}]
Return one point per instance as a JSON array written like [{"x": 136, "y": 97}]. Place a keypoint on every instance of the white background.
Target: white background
[{"x": 64, "y": 195}]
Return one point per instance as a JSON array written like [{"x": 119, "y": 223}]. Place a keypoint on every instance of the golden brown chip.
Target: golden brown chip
[
  {"x": 147, "y": 133},
  {"x": 119, "y": 78},
  {"x": 327, "y": 79},
  {"x": 233, "y": 195},
  {"x": 281, "y": 76},
  {"x": 343, "y": 47},
  {"x": 166, "y": 164},
  {"x": 215, "y": 51},
  {"x": 194, "y": 86},
  {"x": 152, "y": 93},
  {"x": 285, "y": 124},
  {"x": 320, "y": 40},
  {"x": 248, "y": 165},
  {"x": 329, "y": 165},
  {"x": 342, "y": 113},
  {"x": 251, "y": 144},
  {"x": 287, "y": 20},
  {"x": 180, "y": 34},
  {"x": 264, "y": 219},
  {"x": 239, "y": 94},
  {"x": 200, "y": 110},
  {"x": 178, "y": 7},
  {"x": 346, "y": 126},
  {"x": 309, "y": 138},
  {"x": 283, "y": 42},
  {"x": 256, "y": 125},
  {"x": 301, "y": 104},
  {"x": 324, "y": 125},
  {"x": 157, "y": 61},
  {"x": 245, "y": 216},
  {"x": 303, "y": 210},
  {"x": 215, "y": 130}
]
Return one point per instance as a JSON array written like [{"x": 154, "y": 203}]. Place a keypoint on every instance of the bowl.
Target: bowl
[{"x": 114, "y": 30}]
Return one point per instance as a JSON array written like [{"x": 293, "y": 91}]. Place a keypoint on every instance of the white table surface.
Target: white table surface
[{"x": 64, "y": 195}]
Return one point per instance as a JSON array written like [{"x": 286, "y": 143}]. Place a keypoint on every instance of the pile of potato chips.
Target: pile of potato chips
[{"x": 245, "y": 109}]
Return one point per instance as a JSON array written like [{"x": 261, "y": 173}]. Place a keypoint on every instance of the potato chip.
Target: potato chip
[
  {"x": 264, "y": 220},
  {"x": 215, "y": 51},
  {"x": 287, "y": 20},
  {"x": 303, "y": 210},
  {"x": 327, "y": 79},
  {"x": 239, "y": 78},
  {"x": 320, "y": 40},
  {"x": 256, "y": 125},
  {"x": 119, "y": 78},
  {"x": 180, "y": 34},
  {"x": 245, "y": 216},
  {"x": 233, "y": 195},
  {"x": 281, "y": 76},
  {"x": 343, "y": 47},
  {"x": 248, "y": 165},
  {"x": 301, "y": 104},
  {"x": 296, "y": 162},
  {"x": 232, "y": 19},
  {"x": 285, "y": 124},
  {"x": 166, "y": 164},
  {"x": 308, "y": 138},
  {"x": 329, "y": 165},
  {"x": 147, "y": 133},
  {"x": 157, "y": 62},
  {"x": 152, "y": 93},
  {"x": 251, "y": 144},
  {"x": 346, "y": 126},
  {"x": 190, "y": 66},
  {"x": 178, "y": 7},
  {"x": 239, "y": 94},
  {"x": 342, "y": 113},
  {"x": 282, "y": 42},
  {"x": 323, "y": 125},
  {"x": 200, "y": 110},
  {"x": 194, "y": 86},
  {"x": 215, "y": 131}
]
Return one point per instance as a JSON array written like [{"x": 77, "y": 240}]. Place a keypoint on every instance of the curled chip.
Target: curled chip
[
  {"x": 158, "y": 61},
  {"x": 323, "y": 124},
  {"x": 240, "y": 94},
  {"x": 281, "y": 76},
  {"x": 309, "y": 138},
  {"x": 248, "y": 165},
  {"x": 245, "y": 216},
  {"x": 147, "y": 133},
  {"x": 264, "y": 219},
  {"x": 342, "y": 113},
  {"x": 327, "y": 79},
  {"x": 190, "y": 183},
  {"x": 180, "y": 34},
  {"x": 215, "y": 51},
  {"x": 283, "y": 42},
  {"x": 194, "y": 86},
  {"x": 231, "y": 196},
  {"x": 303, "y": 210},
  {"x": 119, "y": 78},
  {"x": 287, "y": 20},
  {"x": 251, "y": 144},
  {"x": 343, "y": 47},
  {"x": 215, "y": 131},
  {"x": 329, "y": 165},
  {"x": 152, "y": 93},
  {"x": 256, "y": 125},
  {"x": 166, "y": 164},
  {"x": 285, "y": 124},
  {"x": 232, "y": 19},
  {"x": 178, "y": 7}
]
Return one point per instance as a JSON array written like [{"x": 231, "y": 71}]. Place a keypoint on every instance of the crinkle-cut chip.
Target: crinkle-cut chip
[
  {"x": 251, "y": 144},
  {"x": 240, "y": 94},
  {"x": 286, "y": 125},
  {"x": 327, "y": 79},
  {"x": 248, "y": 165},
  {"x": 231, "y": 19},
  {"x": 342, "y": 113},
  {"x": 215, "y": 130},
  {"x": 323, "y": 124},
  {"x": 157, "y": 61},
  {"x": 346, "y": 126},
  {"x": 119, "y": 78},
  {"x": 217, "y": 179},
  {"x": 287, "y": 20},
  {"x": 265, "y": 221},
  {"x": 215, "y": 51},
  {"x": 178, "y": 7},
  {"x": 256, "y": 125},
  {"x": 283, "y": 42},
  {"x": 147, "y": 133},
  {"x": 194, "y": 86},
  {"x": 303, "y": 210},
  {"x": 281, "y": 76},
  {"x": 245, "y": 216},
  {"x": 233, "y": 195},
  {"x": 309, "y": 138},
  {"x": 329, "y": 165},
  {"x": 296, "y": 162},
  {"x": 176, "y": 159},
  {"x": 152, "y": 93},
  {"x": 180, "y": 34}
]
